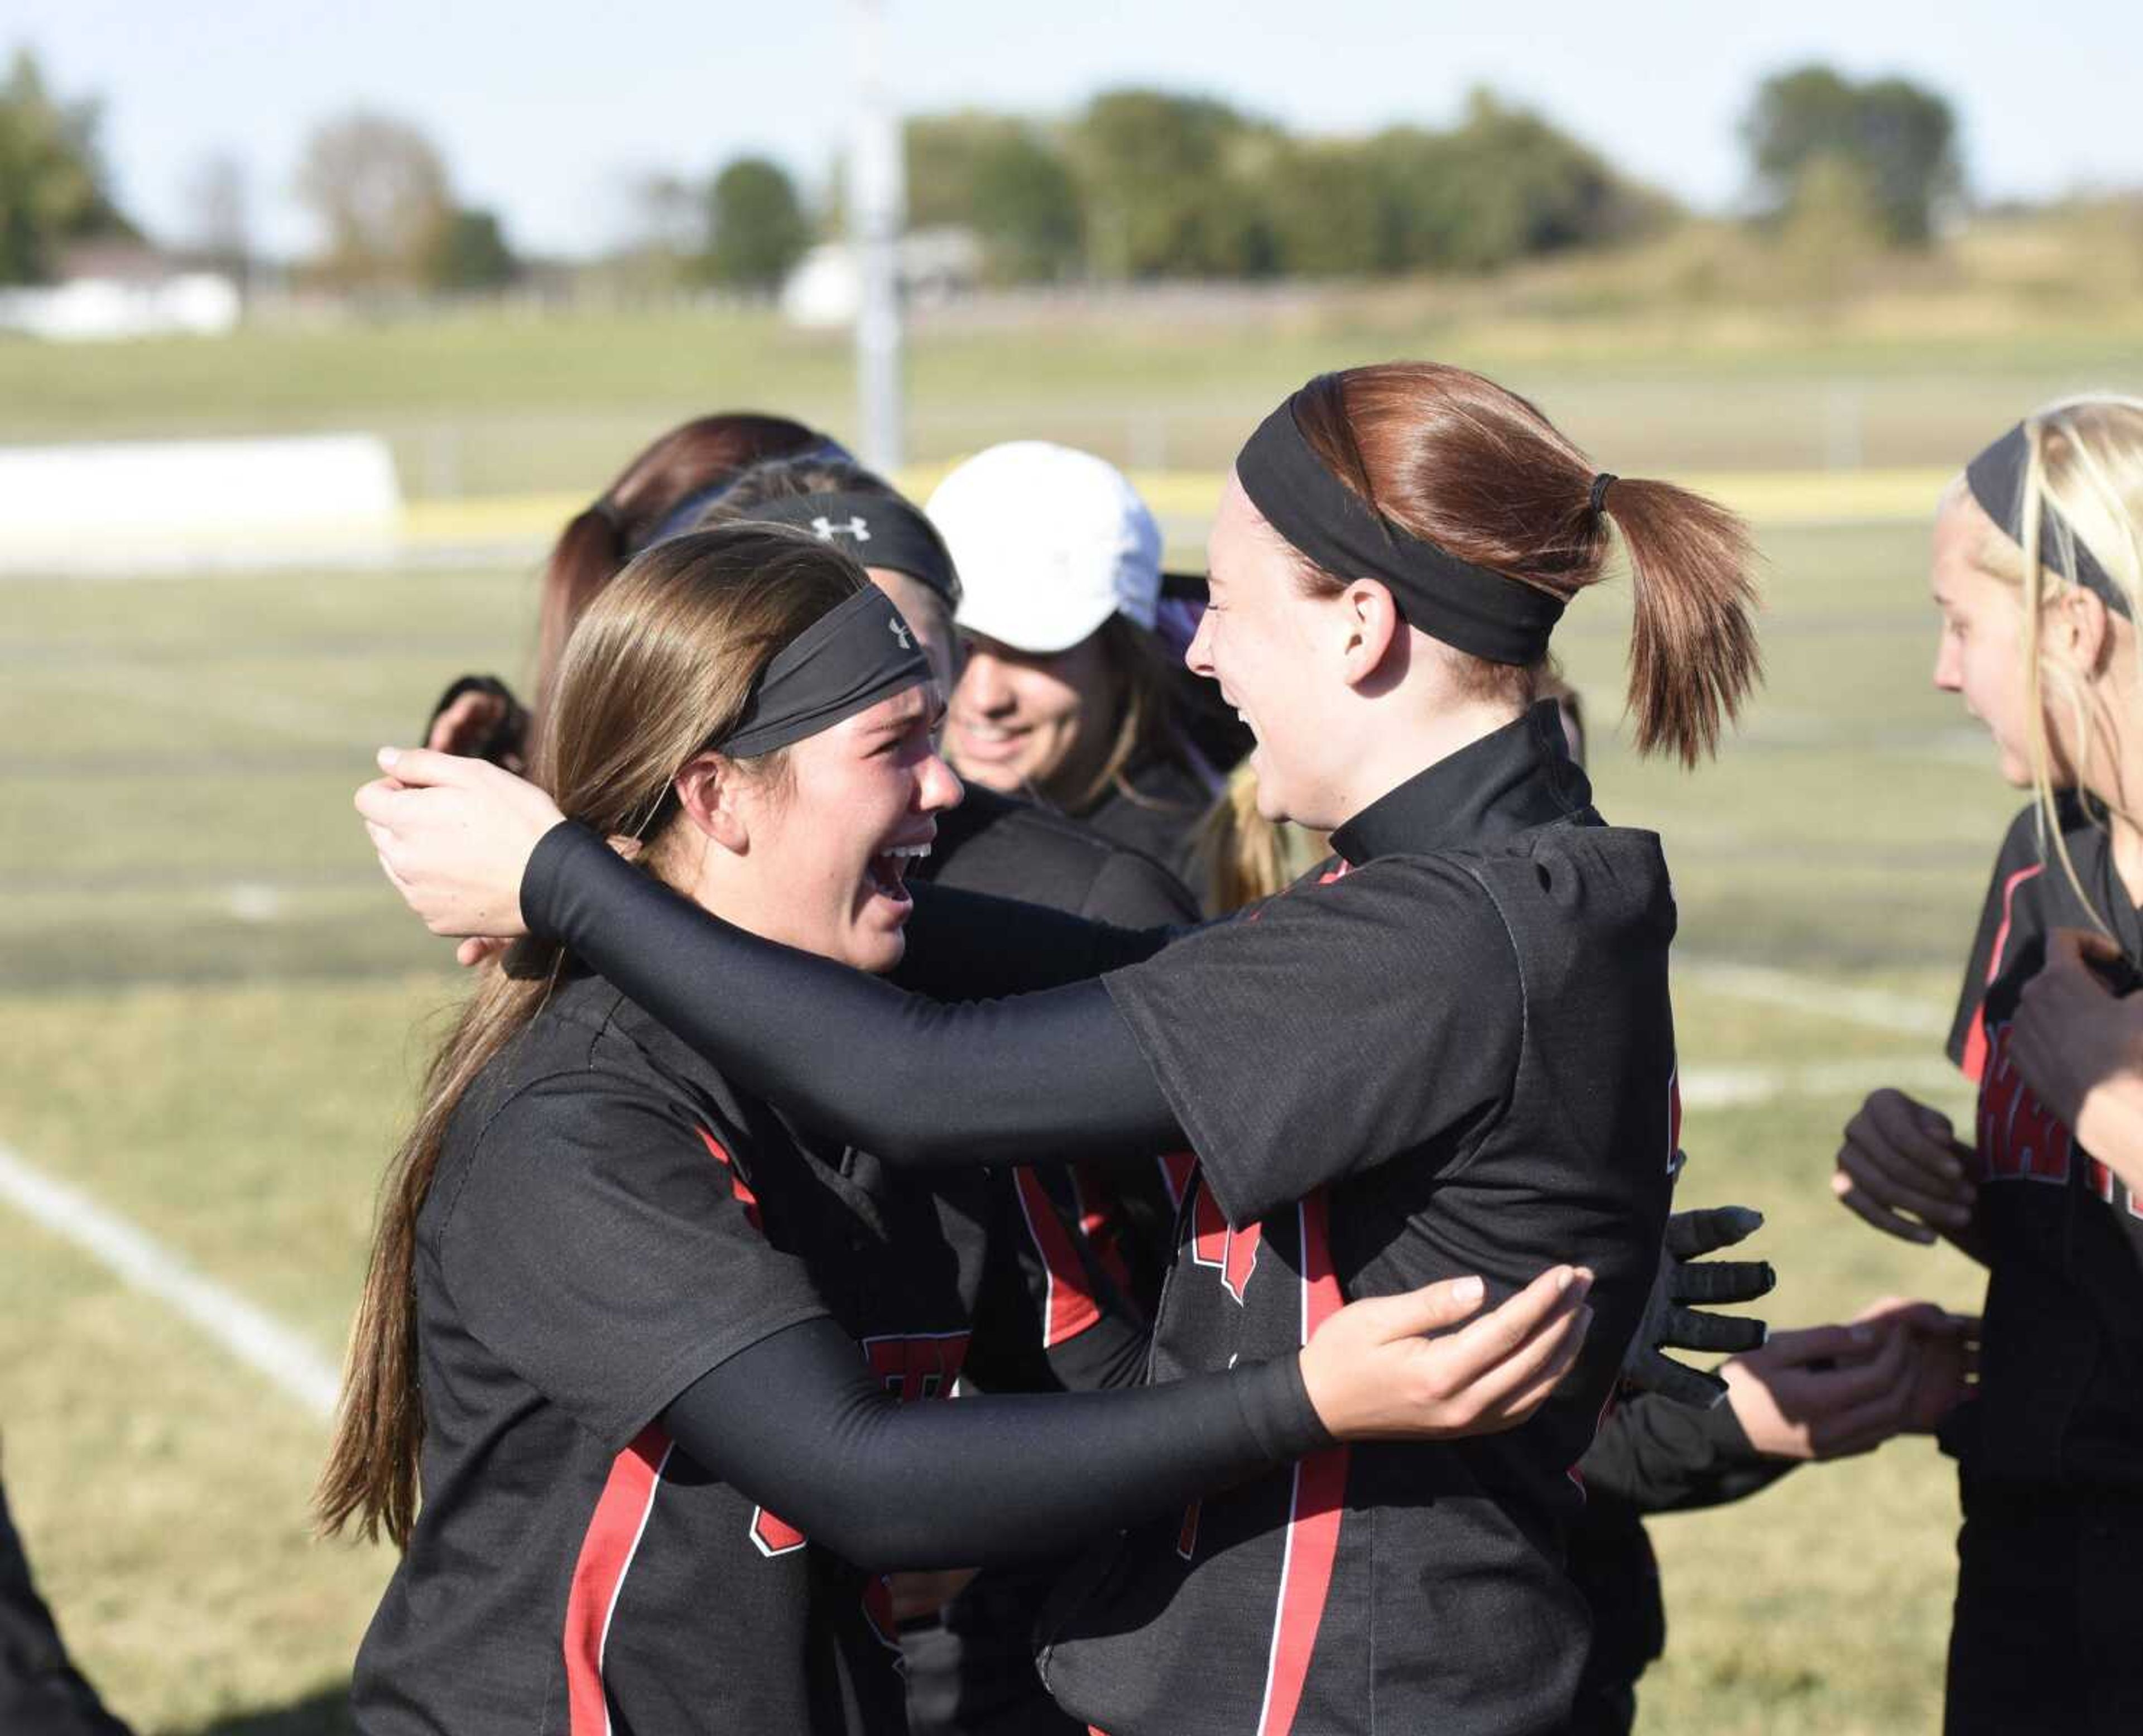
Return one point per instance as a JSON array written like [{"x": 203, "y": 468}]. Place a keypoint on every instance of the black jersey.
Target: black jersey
[
  {"x": 1082, "y": 1219},
  {"x": 1097, "y": 1237},
  {"x": 2060, "y": 1380},
  {"x": 609, "y": 1221},
  {"x": 1155, "y": 809},
  {"x": 1450, "y": 1053}
]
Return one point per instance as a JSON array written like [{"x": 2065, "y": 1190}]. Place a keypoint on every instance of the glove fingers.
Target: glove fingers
[
  {"x": 1649, "y": 1372},
  {"x": 1687, "y": 1329},
  {"x": 1724, "y": 1281},
  {"x": 1690, "y": 1234}
]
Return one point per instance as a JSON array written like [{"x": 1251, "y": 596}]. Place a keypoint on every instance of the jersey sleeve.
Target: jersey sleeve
[
  {"x": 1050, "y": 1317},
  {"x": 2018, "y": 863},
  {"x": 1657, "y": 1455},
  {"x": 1333, "y": 1028},
  {"x": 597, "y": 1243}
]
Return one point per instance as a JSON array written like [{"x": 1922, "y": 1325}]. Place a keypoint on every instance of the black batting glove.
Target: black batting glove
[{"x": 1671, "y": 1322}]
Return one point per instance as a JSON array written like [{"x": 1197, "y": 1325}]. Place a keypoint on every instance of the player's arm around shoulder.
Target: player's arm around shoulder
[{"x": 603, "y": 1242}]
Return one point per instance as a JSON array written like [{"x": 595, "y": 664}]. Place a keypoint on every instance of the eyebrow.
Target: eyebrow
[{"x": 909, "y": 714}]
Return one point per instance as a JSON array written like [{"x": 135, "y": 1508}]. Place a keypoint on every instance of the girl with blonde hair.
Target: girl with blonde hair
[{"x": 2037, "y": 571}]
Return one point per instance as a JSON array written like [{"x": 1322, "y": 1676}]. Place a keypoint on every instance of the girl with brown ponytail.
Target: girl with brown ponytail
[
  {"x": 627, "y": 1379},
  {"x": 1448, "y": 1050}
]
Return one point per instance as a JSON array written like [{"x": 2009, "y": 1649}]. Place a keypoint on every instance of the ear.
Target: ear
[
  {"x": 2081, "y": 629},
  {"x": 715, "y": 802},
  {"x": 1369, "y": 623}
]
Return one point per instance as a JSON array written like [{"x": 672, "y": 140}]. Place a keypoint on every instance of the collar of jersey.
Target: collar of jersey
[{"x": 1511, "y": 780}]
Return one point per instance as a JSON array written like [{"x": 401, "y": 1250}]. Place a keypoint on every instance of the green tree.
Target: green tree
[
  {"x": 1331, "y": 214},
  {"x": 469, "y": 252},
  {"x": 1900, "y": 137},
  {"x": 380, "y": 191},
  {"x": 755, "y": 225},
  {"x": 53, "y": 188},
  {"x": 1502, "y": 186},
  {"x": 1171, "y": 186},
  {"x": 1026, "y": 211},
  {"x": 996, "y": 175}
]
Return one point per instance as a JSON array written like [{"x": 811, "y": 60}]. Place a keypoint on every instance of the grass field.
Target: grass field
[{"x": 212, "y": 1010}]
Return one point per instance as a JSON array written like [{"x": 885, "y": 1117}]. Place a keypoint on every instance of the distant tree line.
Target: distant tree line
[{"x": 1140, "y": 185}]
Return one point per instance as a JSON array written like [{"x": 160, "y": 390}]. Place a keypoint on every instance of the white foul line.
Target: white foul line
[
  {"x": 264, "y": 1343},
  {"x": 1872, "y": 1006}
]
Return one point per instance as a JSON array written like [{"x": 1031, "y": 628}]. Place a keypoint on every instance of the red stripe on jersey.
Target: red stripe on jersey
[
  {"x": 1068, "y": 1305},
  {"x": 606, "y": 1552},
  {"x": 1214, "y": 1242},
  {"x": 1101, "y": 1221},
  {"x": 746, "y": 1197},
  {"x": 1320, "y": 1493},
  {"x": 1975, "y": 1040}
]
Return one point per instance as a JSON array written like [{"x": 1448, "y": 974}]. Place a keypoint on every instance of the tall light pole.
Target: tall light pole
[{"x": 877, "y": 211}]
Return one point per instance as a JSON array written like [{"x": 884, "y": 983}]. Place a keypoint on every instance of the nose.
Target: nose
[
  {"x": 1198, "y": 655},
  {"x": 983, "y": 684},
  {"x": 1948, "y": 670},
  {"x": 937, "y": 786}
]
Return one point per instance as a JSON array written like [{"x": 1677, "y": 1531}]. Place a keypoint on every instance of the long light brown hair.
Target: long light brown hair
[
  {"x": 661, "y": 662},
  {"x": 1478, "y": 471}
]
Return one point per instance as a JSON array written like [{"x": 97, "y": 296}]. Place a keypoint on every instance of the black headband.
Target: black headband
[
  {"x": 685, "y": 516},
  {"x": 877, "y": 530},
  {"x": 1996, "y": 478},
  {"x": 1449, "y": 599},
  {"x": 858, "y": 652}
]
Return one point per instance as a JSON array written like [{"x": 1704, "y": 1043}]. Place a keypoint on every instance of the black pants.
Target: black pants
[
  {"x": 2048, "y": 1633},
  {"x": 42, "y": 1693}
]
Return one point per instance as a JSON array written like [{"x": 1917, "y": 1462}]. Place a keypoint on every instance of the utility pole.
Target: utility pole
[{"x": 878, "y": 201}]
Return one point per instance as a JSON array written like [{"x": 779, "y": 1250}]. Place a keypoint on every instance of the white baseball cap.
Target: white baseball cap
[{"x": 1049, "y": 543}]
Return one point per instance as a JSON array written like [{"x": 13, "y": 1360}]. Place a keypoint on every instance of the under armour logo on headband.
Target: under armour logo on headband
[
  {"x": 899, "y": 629},
  {"x": 825, "y": 530}
]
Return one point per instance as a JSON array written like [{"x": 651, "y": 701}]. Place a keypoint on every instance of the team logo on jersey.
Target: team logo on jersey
[
  {"x": 2019, "y": 1139},
  {"x": 825, "y": 530},
  {"x": 1214, "y": 1242}
]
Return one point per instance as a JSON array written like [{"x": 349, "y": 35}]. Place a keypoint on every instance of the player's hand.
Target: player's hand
[
  {"x": 1671, "y": 1323},
  {"x": 454, "y": 836},
  {"x": 1901, "y": 1168},
  {"x": 1430, "y": 1365},
  {"x": 1830, "y": 1391},
  {"x": 2079, "y": 1047},
  {"x": 1945, "y": 1357}
]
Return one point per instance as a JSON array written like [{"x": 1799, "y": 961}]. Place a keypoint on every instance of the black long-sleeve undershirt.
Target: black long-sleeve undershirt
[
  {"x": 798, "y": 1423},
  {"x": 914, "y": 1081},
  {"x": 972, "y": 946}
]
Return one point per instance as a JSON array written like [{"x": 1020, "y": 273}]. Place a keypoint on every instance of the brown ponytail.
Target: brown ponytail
[
  {"x": 1480, "y": 472},
  {"x": 665, "y": 659},
  {"x": 1693, "y": 655}
]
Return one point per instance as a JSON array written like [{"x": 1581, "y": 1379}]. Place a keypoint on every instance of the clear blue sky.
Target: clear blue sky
[{"x": 547, "y": 112}]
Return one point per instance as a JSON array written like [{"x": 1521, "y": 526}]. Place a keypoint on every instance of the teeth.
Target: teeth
[{"x": 916, "y": 851}]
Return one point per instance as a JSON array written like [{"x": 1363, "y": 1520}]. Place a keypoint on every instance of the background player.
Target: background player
[{"x": 2038, "y": 566}]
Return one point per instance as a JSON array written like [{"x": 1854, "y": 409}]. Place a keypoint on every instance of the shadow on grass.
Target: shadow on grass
[{"x": 326, "y": 1713}]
